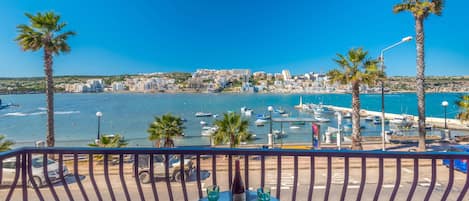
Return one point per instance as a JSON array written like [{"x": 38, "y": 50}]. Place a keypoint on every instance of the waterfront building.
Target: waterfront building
[{"x": 286, "y": 74}]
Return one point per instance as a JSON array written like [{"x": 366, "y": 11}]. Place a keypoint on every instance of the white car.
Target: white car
[{"x": 9, "y": 171}]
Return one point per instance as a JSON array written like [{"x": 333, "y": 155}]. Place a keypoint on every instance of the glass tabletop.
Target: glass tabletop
[{"x": 252, "y": 196}]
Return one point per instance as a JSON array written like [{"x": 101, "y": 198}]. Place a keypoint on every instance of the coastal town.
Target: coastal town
[{"x": 225, "y": 80}]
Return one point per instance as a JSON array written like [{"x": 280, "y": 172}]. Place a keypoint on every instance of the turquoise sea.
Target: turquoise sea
[{"x": 130, "y": 114}]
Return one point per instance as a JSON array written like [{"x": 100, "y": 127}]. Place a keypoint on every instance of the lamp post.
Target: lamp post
[
  {"x": 99, "y": 115},
  {"x": 381, "y": 61},
  {"x": 271, "y": 142},
  {"x": 445, "y": 104},
  {"x": 339, "y": 123}
]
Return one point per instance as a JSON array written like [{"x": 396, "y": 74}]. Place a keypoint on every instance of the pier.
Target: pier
[{"x": 453, "y": 124}]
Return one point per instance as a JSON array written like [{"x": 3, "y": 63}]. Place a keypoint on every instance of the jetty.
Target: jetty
[{"x": 454, "y": 124}]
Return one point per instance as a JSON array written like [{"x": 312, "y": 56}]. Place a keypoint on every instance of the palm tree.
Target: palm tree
[
  {"x": 420, "y": 9},
  {"x": 231, "y": 129},
  {"x": 5, "y": 145},
  {"x": 110, "y": 141},
  {"x": 165, "y": 127},
  {"x": 45, "y": 31},
  {"x": 463, "y": 104},
  {"x": 355, "y": 69}
]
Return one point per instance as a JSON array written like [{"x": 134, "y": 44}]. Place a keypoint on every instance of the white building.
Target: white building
[
  {"x": 117, "y": 86},
  {"x": 286, "y": 74}
]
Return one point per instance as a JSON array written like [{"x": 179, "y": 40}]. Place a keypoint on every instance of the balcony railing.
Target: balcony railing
[{"x": 117, "y": 174}]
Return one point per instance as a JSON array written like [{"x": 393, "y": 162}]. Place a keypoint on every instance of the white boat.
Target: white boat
[
  {"x": 300, "y": 106},
  {"x": 203, "y": 123},
  {"x": 208, "y": 131},
  {"x": 206, "y": 127},
  {"x": 215, "y": 115},
  {"x": 246, "y": 111},
  {"x": 203, "y": 114},
  {"x": 295, "y": 127},
  {"x": 322, "y": 119},
  {"x": 260, "y": 122},
  {"x": 405, "y": 121}
]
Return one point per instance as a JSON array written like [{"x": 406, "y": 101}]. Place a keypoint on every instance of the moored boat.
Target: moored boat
[
  {"x": 322, "y": 119},
  {"x": 260, "y": 122},
  {"x": 203, "y": 114}
]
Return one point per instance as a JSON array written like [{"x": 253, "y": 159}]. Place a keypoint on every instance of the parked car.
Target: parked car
[
  {"x": 459, "y": 164},
  {"x": 9, "y": 171},
  {"x": 159, "y": 167}
]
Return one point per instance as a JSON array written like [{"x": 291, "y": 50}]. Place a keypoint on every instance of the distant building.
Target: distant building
[
  {"x": 286, "y": 74},
  {"x": 117, "y": 86}
]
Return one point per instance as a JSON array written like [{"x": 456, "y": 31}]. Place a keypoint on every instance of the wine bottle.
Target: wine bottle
[{"x": 237, "y": 188}]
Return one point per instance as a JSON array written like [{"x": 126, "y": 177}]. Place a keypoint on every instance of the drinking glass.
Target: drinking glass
[
  {"x": 263, "y": 194},
  {"x": 213, "y": 193}
]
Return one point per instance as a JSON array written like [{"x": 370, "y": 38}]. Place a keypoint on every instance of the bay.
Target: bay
[{"x": 130, "y": 114}]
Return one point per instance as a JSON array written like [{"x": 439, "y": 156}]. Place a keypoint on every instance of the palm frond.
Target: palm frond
[
  {"x": 5, "y": 145},
  {"x": 41, "y": 31}
]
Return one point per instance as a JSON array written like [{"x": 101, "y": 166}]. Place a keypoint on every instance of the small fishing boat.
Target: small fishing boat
[
  {"x": 262, "y": 116},
  {"x": 322, "y": 119},
  {"x": 246, "y": 111},
  {"x": 300, "y": 106},
  {"x": 260, "y": 122},
  {"x": 203, "y": 114},
  {"x": 203, "y": 123},
  {"x": 208, "y": 131},
  {"x": 280, "y": 111}
]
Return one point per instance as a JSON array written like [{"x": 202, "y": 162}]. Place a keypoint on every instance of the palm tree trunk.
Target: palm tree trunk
[
  {"x": 49, "y": 97},
  {"x": 232, "y": 140},
  {"x": 356, "y": 136},
  {"x": 420, "y": 79}
]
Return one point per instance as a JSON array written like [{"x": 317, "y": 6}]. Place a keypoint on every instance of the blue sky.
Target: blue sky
[{"x": 117, "y": 37}]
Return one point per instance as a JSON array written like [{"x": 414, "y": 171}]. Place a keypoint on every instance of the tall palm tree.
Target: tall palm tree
[
  {"x": 231, "y": 129},
  {"x": 463, "y": 104},
  {"x": 5, "y": 145},
  {"x": 45, "y": 31},
  {"x": 165, "y": 127},
  {"x": 420, "y": 9},
  {"x": 355, "y": 69}
]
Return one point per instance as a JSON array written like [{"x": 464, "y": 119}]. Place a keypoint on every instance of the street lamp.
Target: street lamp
[
  {"x": 99, "y": 115},
  {"x": 270, "y": 109},
  {"x": 381, "y": 61},
  {"x": 339, "y": 123},
  {"x": 445, "y": 104}
]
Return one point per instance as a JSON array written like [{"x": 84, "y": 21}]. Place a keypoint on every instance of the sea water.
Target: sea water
[{"x": 131, "y": 114}]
